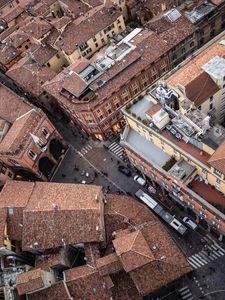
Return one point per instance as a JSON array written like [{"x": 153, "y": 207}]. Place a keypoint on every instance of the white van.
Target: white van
[{"x": 140, "y": 180}]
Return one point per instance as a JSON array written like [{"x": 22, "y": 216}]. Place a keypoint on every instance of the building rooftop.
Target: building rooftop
[
  {"x": 194, "y": 67},
  {"x": 215, "y": 67},
  {"x": 133, "y": 250},
  {"x": 115, "y": 68},
  {"x": 30, "y": 76},
  {"x": 182, "y": 170},
  {"x": 207, "y": 192},
  {"x": 199, "y": 95},
  {"x": 36, "y": 28},
  {"x": 142, "y": 107},
  {"x": 214, "y": 137},
  {"x": 11, "y": 105},
  {"x": 146, "y": 149},
  {"x": 67, "y": 203},
  {"x": 200, "y": 12},
  {"x": 99, "y": 16},
  {"x": 217, "y": 160},
  {"x": 147, "y": 244}
]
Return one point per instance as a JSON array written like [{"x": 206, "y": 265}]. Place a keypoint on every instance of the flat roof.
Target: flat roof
[
  {"x": 182, "y": 170},
  {"x": 146, "y": 148},
  {"x": 142, "y": 107}
]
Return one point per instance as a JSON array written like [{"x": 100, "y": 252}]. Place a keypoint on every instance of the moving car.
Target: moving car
[
  {"x": 140, "y": 180},
  {"x": 124, "y": 170},
  {"x": 190, "y": 223}
]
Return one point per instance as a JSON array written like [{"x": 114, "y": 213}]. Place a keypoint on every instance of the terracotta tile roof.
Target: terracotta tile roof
[
  {"x": 36, "y": 28},
  {"x": 217, "y": 2},
  {"x": 207, "y": 192},
  {"x": 17, "y": 38},
  {"x": 11, "y": 106},
  {"x": 52, "y": 37},
  {"x": 148, "y": 50},
  {"x": 12, "y": 14},
  {"x": 29, "y": 281},
  {"x": 76, "y": 7},
  {"x": 82, "y": 29},
  {"x": 8, "y": 54},
  {"x": 117, "y": 213},
  {"x": 74, "y": 85},
  {"x": 19, "y": 133},
  {"x": 201, "y": 88},
  {"x": 179, "y": 31},
  {"x": 217, "y": 160},
  {"x": 67, "y": 213},
  {"x": 198, "y": 154},
  {"x": 58, "y": 23},
  {"x": 15, "y": 195},
  {"x": 168, "y": 265},
  {"x": 154, "y": 109},
  {"x": 156, "y": 6},
  {"x": 124, "y": 288},
  {"x": 86, "y": 282},
  {"x": 28, "y": 75},
  {"x": 42, "y": 54},
  {"x": 133, "y": 250},
  {"x": 108, "y": 264},
  {"x": 3, "y": 216},
  {"x": 54, "y": 292},
  {"x": 193, "y": 68},
  {"x": 57, "y": 259}
]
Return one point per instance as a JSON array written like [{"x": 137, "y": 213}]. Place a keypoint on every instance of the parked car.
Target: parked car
[
  {"x": 124, "y": 170},
  {"x": 140, "y": 180},
  {"x": 190, "y": 223},
  {"x": 151, "y": 189}
]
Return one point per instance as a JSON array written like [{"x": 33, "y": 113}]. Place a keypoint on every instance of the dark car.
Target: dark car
[{"x": 124, "y": 170}]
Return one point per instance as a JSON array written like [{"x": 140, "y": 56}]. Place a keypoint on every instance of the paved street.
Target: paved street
[{"x": 90, "y": 162}]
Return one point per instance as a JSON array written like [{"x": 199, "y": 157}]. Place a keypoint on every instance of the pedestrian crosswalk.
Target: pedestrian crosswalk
[
  {"x": 209, "y": 253},
  {"x": 118, "y": 150},
  {"x": 185, "y": 293},
  {"x": 84, "y": 150}
]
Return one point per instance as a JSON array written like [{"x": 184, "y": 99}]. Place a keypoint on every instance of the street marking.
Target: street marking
[
  {"x": 118, "y": 150},
  {"x": 185, "y": 293},
  {"x": 205, "y": 256}
]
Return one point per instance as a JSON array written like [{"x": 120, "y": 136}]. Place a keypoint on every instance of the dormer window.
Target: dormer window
[
  {"x": 32, "y": 154},
  {"x": 45, "y": 132}
]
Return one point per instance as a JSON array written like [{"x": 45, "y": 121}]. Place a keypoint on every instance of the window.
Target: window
[
  {"x": 211, "y": 106},
  {"x": 218, "y": 181},
  {"x": 26, "y": 47},
  {"x": 14, "y": 162},
  {"x": 94, "y": 39},
  {"x": 96, "y": 45},
  {"x": 103, "y": 41},
  {"x": 3, "y": 170},
  {"x": 211, "y": 99},
  {"x": 32, "y": 154},
  {"x": 58, "y": 56},
  {"x": 192, "y": 44},
  {"x": 45, "y": 132},
  {"x": 10, "y": 174},
  {"x": 48, "y": 64}
]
